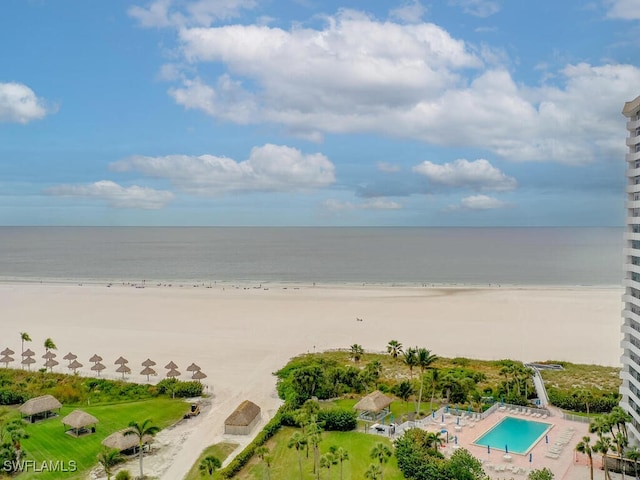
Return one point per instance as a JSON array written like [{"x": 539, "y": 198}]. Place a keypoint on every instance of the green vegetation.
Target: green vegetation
[
  {"x": 219, "y": 450},
  {"x": 541, "y": 474}
]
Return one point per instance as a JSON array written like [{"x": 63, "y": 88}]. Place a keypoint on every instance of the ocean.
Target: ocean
[{"x": 345, "y": 255}]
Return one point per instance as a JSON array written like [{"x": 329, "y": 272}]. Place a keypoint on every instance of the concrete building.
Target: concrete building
[{"x": 630, "y": 389}]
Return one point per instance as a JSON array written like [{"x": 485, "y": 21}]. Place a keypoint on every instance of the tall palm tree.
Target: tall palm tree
[
  {"x": 604, "y": 446},
  {"x": 298, "y": 441},
  {"x": 585, "y": 447},
  {"x": 394, "y": 348},
  {"x": 435, "y": 376},
  {"x": 621, "y": 443},
  {"x": 24, "y": 337},
  {"x": 141, "y": 430},
  {"x": 373, "y": 472},
  {"x": 341, "y": 455},
  {"x": 410, "y": 360},
  {"x": 634, "y": 454},
  {"x": 382, "y": 453},
  {"x": 49, "y": 345},
  {"x": 109, "y": 458},
  {"x": 314, "y": 437},
  {"x": 425, "y": 359},
  {"x": 404, "y": 391},
  {"x": 356, "y": 352},
  {"x": 433, "y": 441},
  {"x": 326, "y": 461},
  {"x": 209, "y": 465},
  {"x": 263, "y": 454}
]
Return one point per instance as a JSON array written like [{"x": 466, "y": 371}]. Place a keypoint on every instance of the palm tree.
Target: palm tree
[
  {"x": 435, "y": 376},
  {"x": 263, "y": 454},
  {"x": 314, "y": 436},
  {"x": 356, "y": 352},
  {"x": 326, "y": 461},
  {"x": 404, "y": 391},
  {"x": 425, "y": 359},
  {"x": 373, "y": 472},
  {"x": 109, "y": 458},
  {"x": 209, "y": 465},
  {"x": 394, "y": 348},
  {"x": 24, "y": 337},
  {"x": 433, "y": 441},
  {"x": 634, "y": 454},
  {"x": 585, "y": 447},
  {"x": 49, "y": 345},
  {"x": 604, "y": 445},
  {"x": 341, "y": 455},
  {"x": 298, "y": 441},
  {"x": 141, "y": 430},
  {"x": 410, "y": 360},
  {"x": 621, "y": 442},
  {"x": 381, "y": 453}
]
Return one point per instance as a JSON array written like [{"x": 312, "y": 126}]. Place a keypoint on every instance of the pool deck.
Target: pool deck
[{"x": 558, "y": 455}]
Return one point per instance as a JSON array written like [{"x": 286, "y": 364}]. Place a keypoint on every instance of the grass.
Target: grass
[
  {"x": 219, "y": 450},
  {"x": 285, "y": 460},
  {"x": 48, "y": 441},
  {"x": 578, "y": 376}
]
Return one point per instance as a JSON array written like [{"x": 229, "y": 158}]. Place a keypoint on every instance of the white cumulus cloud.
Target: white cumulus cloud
[
  {"x": 410, "y": 12},
  {"x": 166, "y": 13},
  {"x": 478, "y": 202},
  {"x": 19, "y": 104},
  {"x": 478, "y": 8},
  {"x": 371, "y": 204},
  {"x": 477, "y": 175},
  {"x": 116, "y": 195},
  {"x": 270, "y": 168},
  {"x": 624, "y": 9}
]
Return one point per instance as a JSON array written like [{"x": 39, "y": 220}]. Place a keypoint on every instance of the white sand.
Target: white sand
[{"x": 240, "y": 336}]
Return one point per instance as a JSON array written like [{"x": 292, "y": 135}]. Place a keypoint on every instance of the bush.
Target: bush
[
  {"x": 338, "y": 419},
  {"x": 8, "y": 396},
  {"x": 171, "y": 386},
  {"x": 123, "y": 475}
]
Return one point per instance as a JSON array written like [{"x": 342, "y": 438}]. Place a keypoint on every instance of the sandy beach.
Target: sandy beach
[{"x": 240, "y": 335}]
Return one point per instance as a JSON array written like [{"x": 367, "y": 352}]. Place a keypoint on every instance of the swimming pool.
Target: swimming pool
[{"x": 515, "y": 434}]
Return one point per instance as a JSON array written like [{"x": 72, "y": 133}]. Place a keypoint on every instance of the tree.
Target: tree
[
  {"x": 49, "y": 345},
  {"x": 263, "y": 454},
  {"x": 298, "y": 441},
  {"x": 141, "y": 430},
  {"x": 410, "y": 360},
  {"x": 209, "y": 465},
  {"x": 424, "y": 360},
  {"x": 109, "y": 458},
  {"x": 341, "y": 455},
  {"x": 373, "y": 472},
  {"x": 604, "y": 446},
  {"x": 394, "y": 348},
  {"x": 314, "y": 437},
  {"x": 542, "y": 474},
  {"x": 326, "y": 461},
  {"x": 621, "y": 443},
  {"x": 24, "y": 337},
  {"x": 464, "y": 466},
  {"x": 382, "y": 453},
  {"x": 634, "y": 454},
  {"x": 356, "y": 352},
  {"x": 435, "y": 376},
  {"x": 585, "y": 447},
  {"x": 433, "y": 441},
  {"x": 404, "y": 391}
]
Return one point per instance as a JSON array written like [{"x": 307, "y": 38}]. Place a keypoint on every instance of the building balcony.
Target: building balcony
[
  {"x": 632, "y": 172},
  {"x": 632, "y": 220},
  {"x": 632, "y": 157},
  {"x": 633, "y": 188},
  {"x": 631, "y": 141},
  {"x": 633, "y": 124},
  {"x": 628, "y": 298},
  {"x": 628, "y": 282},
  {"x": 631, "y": 235},
  {"x": 632, "y": 204}
]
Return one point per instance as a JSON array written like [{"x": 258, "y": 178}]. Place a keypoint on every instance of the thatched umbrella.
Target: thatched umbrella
[
  {"x": 121, "y": 361},
  {"x": 198, "y": 375},
  {"x": 193, "y": 368},
  {"x": 6, "y": 352},
  {"x": 49, "y": 355},
  {"x": 70, "y": 357},
  {"x": 173, "y": 373},
  {"x": 148, "y": 363},
  {"x": 28, "y": 361},
  {"x": 96, "y": 358},
  {"x": 98, "y": 367},
  {"x": 148, "y": 371},
  {"x": 6, "y": 359},
  {"x": 50, "y": 364},
  {"x": 75, "y": 365},
  {"x": 171, "y": 366},
  {"x": 28, "y": 353},
  {"x": 123, "y": 369}
]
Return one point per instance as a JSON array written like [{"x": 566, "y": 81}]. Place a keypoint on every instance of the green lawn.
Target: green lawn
[
  {"x": 48, "y": 442},
  {"x": 398, "y": 408},
  {"x": 285, "y": 460},
  {"x": 219, "y": 450}
]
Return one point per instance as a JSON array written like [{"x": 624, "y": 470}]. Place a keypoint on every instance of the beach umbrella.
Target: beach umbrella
[
  {"x": 148, "y": 363},
  {"x": 50, "y": 364},
  {"x": 6, "y": 359},
  {"x": 28, "y": 353},
  {"x": 6, "y": 352},
  {"x": 489, "y": 449},
  {"x": 546, "y": 439},
  {"x": 74, "y": 365},
  {"x": 123, "y": 369},
  {"x": 433, "y": 414},
  {"x": 98, "y": 367},
  {"x": 455, "y": 440},
  {"x": 49, "y": 355},
  {"x": 28, "y": 361},
  {"x": 171, "y": 366},
  {"x": 148, "y": 371},
  {"x": 173, "y": 373},
  {"x": 446, "y": 409},
  {"x": 469, "y": 409},
  {"x": 96, "y": 358},
  {"x": 443, "y": 418},
  {"x": 199, "y": 375},
  {"x": 193, "y": 368},
  {"x": 121, "y": 361},
  {"x": 70, "y": 357}
]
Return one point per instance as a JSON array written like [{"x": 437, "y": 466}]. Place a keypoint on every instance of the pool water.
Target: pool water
[{"x": 514, "y": 434}]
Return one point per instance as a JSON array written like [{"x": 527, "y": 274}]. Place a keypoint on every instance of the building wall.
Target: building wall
[
  {"x": 241, "y": 430},
  {"x": 630, "y": 389}
]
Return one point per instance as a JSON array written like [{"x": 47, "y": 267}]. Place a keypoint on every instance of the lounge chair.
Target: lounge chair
[{"x": 552, "y": 455}]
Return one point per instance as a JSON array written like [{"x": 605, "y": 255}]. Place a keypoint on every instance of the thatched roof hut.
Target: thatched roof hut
[
  {"x": 243, "y": 419},
  {"x": 39, "y": 407},
  {"x": 125, "y": 443},
  {"x": 374, "y": 406},
  {"x": 80, "y": 422}
]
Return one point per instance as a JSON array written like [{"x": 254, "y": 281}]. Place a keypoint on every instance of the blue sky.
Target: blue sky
[{"x": 309, "y": 112}]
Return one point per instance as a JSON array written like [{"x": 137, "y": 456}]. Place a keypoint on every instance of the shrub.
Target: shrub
[
  {"x": 123, "y": 475},
  {"x": 338, "y": 419},
  {"x": 8, "y": 396}
]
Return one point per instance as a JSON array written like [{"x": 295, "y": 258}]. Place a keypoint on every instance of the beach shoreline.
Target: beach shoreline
[{"x": 241, "y": 334}]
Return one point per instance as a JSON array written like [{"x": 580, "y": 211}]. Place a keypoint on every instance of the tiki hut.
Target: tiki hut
[
  {"x": 171, "y": 366},
  {"x": 148, "y": 371},
  {"x": 40, "y": 408},
  {"x": 50, "y": 364},
  {"x": 74, "y": 365},
  {"x": 6, "y": 359},
  {"x": 81, "y": 423},
  {"x": 193, "y": 368},
  {"x": 70, "y": 356},
  {"x": 98, "y": 367},
  {"x": 173, "y": 373},
  {"x": 374, "y": 407},
  {"x": 28, "y": 361},
  {"x": 126, "y": 444},
  {"x": 95, "y": 358},
  {"x": 123, "y": 369},
  {"x": 6, "y": 352},
  {"x": 121, "y": 361},
  {"x": 148, "y": 363},
  {"x": 198, "y": 375},
  {"x": 243, "y": 419}
]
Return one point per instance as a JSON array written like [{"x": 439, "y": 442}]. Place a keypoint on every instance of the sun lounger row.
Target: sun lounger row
[
  {"x": 509, "y": 468},
  {"x": 525, "y": 411}
]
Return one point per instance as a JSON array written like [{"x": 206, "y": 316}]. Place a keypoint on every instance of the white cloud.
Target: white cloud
[
  {"x": 410, "y": 12},
  {"x": 478, "y": 202},
  {"x": 624, "y": 9},
  {"x": 334, "y": 205},
  {"x": 176, "y": 13},
  {"x": 478, "y": 8},
  {"x": 19, "y": 104},
  {"x": 477, "y": 175},
  {"x": 387, "y": 167},
  {"x": 270, "y": 168},
  {"x": 116, "y": 195}
]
